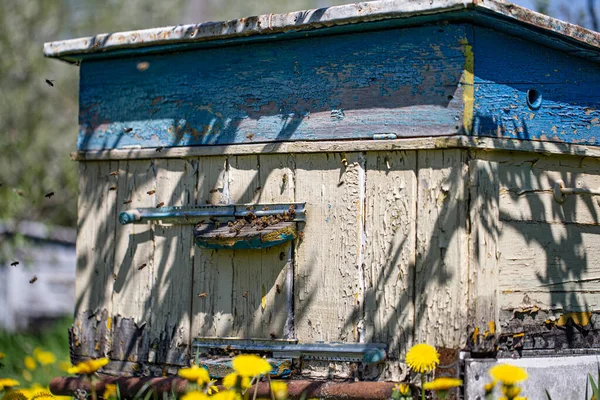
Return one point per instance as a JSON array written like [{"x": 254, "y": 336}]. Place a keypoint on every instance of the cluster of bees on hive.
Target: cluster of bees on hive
[{"x": 263, "y": 222}]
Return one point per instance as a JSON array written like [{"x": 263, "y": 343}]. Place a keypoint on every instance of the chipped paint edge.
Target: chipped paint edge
[
  {"x": 299, "y": 147},
  {"x": 269, "y": 24}
]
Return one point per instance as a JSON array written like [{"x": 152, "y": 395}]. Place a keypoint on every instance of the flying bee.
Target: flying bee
[
  {"x": 250, "y": 136},
  {"x": 49, "y": 194},
  {"x": 273, "y": 336},
  {"x": 159, "y": 205},
  {"x": 245, "y": 294},
  {"x": 34, "y": 279},
  {"x": 278, "y": 288},
  {"x": 159, "y": 149},
  {"x": 114, "y": 173},
  {"x": 20, "y": 193},
  {"x": 112, "y": 188},
  {"x": 151, "y": 192},
  {"x": 14, "y": 263},
  {"x": 127, "y": 130},
  {"x": 203, "y": 295},
  {"x": 50, "y": 82},
  {"x": 214, "y": 190},
  {"x": 258, "y": 189},
  {"x": 127, "y": 201},
  {"x": 141, "y": 267},
  {"x": 345, "y": 162}
]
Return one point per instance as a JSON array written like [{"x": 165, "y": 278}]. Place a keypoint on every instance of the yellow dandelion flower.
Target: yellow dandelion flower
[
  {"x": 233, "y": 380},
  {"x": 195, "y": 395},
  {"x": 422, "y": 358},
  {"x": 489, "y": 387},
  {"x": 2, "y": 355},
  {"x": 8, "y": 383},
  {"x": 280, "y": 390},
  {"x": 212, "y": 387},
  {"x": 14, "y": 395},
  {"x": 251, "y": 365},
  {"x": 27, "y": 375},
  {"x": 88, "y": 367},
  {"x": 511, "y": 391},
  {"x": 514, "y": 398},
  {"x": 195, "y": 373},
  {"x": 30, "y": 363},
  {"x": 442, "y": 384},
  {"x": 226, "y": 395},
  {"x": 46, "y": 357},
  {"x": 402, "y": 388},
  {"x": 110, "y": 391},
  {"x": 508, "y": 374},
  {"x": 45, "y": 395}
]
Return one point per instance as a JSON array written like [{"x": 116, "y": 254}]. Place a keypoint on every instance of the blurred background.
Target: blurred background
[{"x": 38, "y": 130}]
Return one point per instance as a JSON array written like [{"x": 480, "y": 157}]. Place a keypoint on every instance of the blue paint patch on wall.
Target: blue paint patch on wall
[
  {"x": 506, "y": 68},
  {"x": 402, "y": 81}
]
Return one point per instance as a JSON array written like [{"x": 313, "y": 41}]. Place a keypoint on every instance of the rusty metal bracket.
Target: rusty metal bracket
[
  {"x": 561, "y": 192},
  {"x": 191, "y": 215}
]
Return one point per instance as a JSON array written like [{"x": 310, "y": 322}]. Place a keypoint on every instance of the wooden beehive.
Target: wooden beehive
[{"x": 426, "y": 141}]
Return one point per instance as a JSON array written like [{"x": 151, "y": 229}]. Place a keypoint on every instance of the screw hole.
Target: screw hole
[{"x": 534, "y": 99}]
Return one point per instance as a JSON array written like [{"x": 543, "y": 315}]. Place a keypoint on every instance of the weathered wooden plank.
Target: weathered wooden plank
[
  {"x": 212, "y": 309},
  {"x": 551, "y": 266},
  {"x": 402, "y": 81},
  {"x": 95, "y": 256},
  {"x": 570, "y": 109},
  {"x": 328, "y": 283},
  {"x": 442, "y": 249},
  {"x": 132, "y": 301},
  {"x": 259, "y": 282},
  {"x": 299, "y": 147},
  {"x": 176, "y": 182},
  {"x": 390, "y": 215},
  {"x": 483, "y": 254},
  {"x": 527, "y": 185}
]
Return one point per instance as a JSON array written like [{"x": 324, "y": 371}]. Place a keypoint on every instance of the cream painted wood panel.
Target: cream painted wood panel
[
  {"x": 328, "y": 278},
  {"x": 95, "y": 256},
  {"x": 390, "y": 214},
  {"x": 442, "y": 248}
]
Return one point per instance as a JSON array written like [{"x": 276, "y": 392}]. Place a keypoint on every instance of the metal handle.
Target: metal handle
[{"x": 561, "y": 192}]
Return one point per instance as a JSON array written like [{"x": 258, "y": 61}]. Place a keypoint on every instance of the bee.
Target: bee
[
  {"x": 159, "y": 205},
  {"x": 266, "y": 208},
  {"x": 127, "y": 130},
  {"x": 114, "y": 276},
  {"x": 96, "y": 45},
  {"x": 250, "y": 136},
  {"x": 49, "y": 194},
  {"x": 278, "y": 288},
  {"x": 208, "y": 202},
  {"x": 20, "y": 193},
  {"x": 159, "y": 149},
  {"x": 112, "y": 188},
  {"x": 127, "y": 201},
  {"x": 284, "y": 179},
  {"x": 34, "y": 279},
  {"x": 249, "y": 208},
  {"x": 214, "y": 190},
  {"x": 141, "y": 267},
  {"x": 142, "y": 66},
  {"x": 301, "y": 235},
  {"x": 245, "y": 294},
  {"x": 258, "y": 189},
  {"x": 114, "y": 173},
  {"x": 14, "y": 263},
  {"x": 50, "y": 82},
  {"x": 203, "y": 295},
  {"x": 345, "y": 162},
  {"x": 151, "y": 192},
  {"x": 281, "y": 256},
  {"x": 187, "y": 218},
  {"x": 273, "y": 336}
]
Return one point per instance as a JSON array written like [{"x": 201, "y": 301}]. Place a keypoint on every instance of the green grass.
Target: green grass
[{"x": 17, "y": 346}]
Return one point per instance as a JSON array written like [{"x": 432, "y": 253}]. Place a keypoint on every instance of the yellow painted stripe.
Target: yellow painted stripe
[{"x": 468, "y": 84}]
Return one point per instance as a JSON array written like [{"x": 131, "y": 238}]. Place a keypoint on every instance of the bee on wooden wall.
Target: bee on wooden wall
[
  {"x": 50, "y": 82},
  {"x": 127, "y": 201},
  {"x": 141, "y": 267},
  {"x": 159, "y": 149},
  {"x": 159, "y": 205},
  {"x": 34, "y": 279},
  {"x": 112, "y": 188},
  {"x": 203, "y": 295},
  {"x": 114, "y": 173},
  {"x": 245, "y": 294},
  {"x": 151, "y": 192},
  {"x": 127, "y": 130}
]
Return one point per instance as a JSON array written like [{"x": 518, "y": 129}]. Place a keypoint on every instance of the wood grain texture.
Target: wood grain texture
[
  {"x": 442, "y": 249},
  {"x": 390, "y": 215},
  {"x": 133, "y": 287},
  {"x": 327, "y": 275},
  {"x": 570, "y": 110},
  {"x": 169, "y": 333},
  {"x": 484, "y": 225},
  {"x": 95, "y": 252},
  {"x": 402, "y": 81}
]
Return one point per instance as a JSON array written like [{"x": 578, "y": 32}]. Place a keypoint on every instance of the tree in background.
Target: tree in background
[{"x": 586, "y": 15}]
